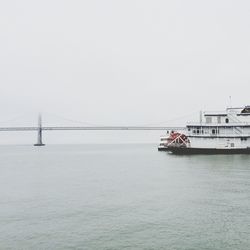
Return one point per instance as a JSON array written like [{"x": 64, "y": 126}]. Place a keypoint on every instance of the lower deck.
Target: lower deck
[{"x": 219, "y": 142}]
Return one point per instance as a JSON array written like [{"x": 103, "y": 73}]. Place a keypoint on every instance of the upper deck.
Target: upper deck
[
  {"x": 231, "y": 122},
  {"x": 230, "y": 117}
]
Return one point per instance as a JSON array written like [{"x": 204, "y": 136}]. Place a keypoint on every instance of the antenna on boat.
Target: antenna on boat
[
  {"x": 201, "y": 117},
  {"x": 230, "y": 101}
]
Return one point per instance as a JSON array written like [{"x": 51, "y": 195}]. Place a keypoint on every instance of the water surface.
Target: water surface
[{"x": 122, "y": 197}]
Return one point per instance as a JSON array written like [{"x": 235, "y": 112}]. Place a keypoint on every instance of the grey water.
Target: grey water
[{"x": 126, "y": 196}]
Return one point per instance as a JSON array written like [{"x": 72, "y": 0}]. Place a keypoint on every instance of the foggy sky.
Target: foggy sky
[{"x": 123, "y": 62}]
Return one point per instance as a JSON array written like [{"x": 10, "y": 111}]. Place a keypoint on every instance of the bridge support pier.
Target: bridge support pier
[{"x": 39, "y": 135}]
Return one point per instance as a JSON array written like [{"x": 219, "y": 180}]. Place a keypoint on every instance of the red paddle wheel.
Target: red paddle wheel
[{"x": 177, "y": 139}]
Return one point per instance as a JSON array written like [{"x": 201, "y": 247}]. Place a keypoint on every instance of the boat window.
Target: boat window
[
  {"x": 198, "y": 131},
  {"x": 219, "y": 119},
  {"x": 194, "y": 131},
  {"x": 208, "y": 119},
  {"x": 227, "y": 120},
  {"x": 213, "y": 131},
  {"x": 232, "y": 145}
]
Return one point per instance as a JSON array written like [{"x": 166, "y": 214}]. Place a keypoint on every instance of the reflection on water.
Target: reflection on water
[{"x": 122, "y": 197}]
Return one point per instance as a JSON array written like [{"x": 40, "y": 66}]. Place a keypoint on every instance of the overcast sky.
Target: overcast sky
[{"x": 123, "y": 62}]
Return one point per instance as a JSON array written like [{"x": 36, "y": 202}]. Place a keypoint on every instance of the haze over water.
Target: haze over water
[{"x": 127, "y": 196}]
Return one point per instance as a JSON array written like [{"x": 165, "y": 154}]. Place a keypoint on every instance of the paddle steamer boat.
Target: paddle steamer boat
[{"x": 226, "y": 132}]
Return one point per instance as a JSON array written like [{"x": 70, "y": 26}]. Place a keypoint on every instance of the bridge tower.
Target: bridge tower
[{"x": 39, "y": 132}]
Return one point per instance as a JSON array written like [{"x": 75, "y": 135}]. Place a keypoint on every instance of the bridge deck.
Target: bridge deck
[{"x": 89, "y": 128}]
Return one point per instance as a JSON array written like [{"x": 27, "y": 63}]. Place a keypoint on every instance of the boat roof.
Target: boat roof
[{"x": 238, "y": 110}]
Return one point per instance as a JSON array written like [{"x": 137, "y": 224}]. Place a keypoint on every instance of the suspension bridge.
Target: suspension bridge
[{"x": 40, "y": 128}]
